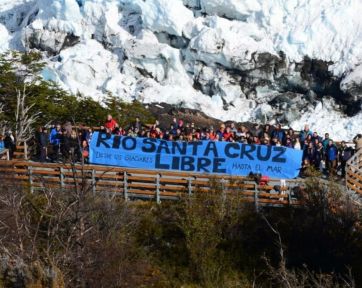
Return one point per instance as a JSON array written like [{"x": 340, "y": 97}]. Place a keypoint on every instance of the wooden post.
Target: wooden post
[
  {"x": 158, "y": 199},
  {"x": 30, "y": 171},
  {"x": 125, "y": 186},
  {"x": 223, "y": 181},
  {"x": 189, "y": 185},
  {"x": 289, "y": 196},
  {"x": 61, "y": 171},
  {"x": 25, "y": 151},
  {"x": 256, "y": 197},
  {"x": 94, "y": 182}
]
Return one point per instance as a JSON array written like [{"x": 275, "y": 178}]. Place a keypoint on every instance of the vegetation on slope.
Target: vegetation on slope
[{"x": 205, "y": 240}]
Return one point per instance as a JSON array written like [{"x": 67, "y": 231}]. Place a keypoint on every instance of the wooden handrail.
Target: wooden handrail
[
  {"x": 136, "y": 183},
  {"x": 6, "y": 153},
  {"x": 354, "y": 173}
]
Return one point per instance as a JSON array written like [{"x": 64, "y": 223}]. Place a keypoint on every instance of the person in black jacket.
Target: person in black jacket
[
  {"x": 71, "y": 147},
  {"x": 10, "y": 143},
  {"x": 345, "y": 153},
  {"x": 43, "y": 144},
  {"x": 319, "y": 155}
]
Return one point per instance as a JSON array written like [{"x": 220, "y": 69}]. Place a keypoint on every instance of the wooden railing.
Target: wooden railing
[
  {"x": 145, "y": 184},
  {"x": 21, "y": 151},
  {"x": 4, "y": 154},
  {"x": 354, "y": 173}
]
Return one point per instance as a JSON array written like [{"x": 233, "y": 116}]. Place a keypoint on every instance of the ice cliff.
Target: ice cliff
[{"x": 293, "y": 61}]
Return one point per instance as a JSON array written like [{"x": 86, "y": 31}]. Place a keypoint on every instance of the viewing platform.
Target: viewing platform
[
  {"x": 145, "y": 184},
  {"x": 160, "y": 185}
]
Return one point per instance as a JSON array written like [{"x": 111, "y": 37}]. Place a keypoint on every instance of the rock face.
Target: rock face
[{"x": 233, "y": 59}]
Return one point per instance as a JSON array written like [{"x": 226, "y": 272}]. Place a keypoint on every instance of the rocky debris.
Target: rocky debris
[
  {"x": 165, "y": 113},
  {"x": 52, "y": 42}
]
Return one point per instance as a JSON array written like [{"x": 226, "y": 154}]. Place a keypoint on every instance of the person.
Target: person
[
  {"x": 316, "y": 138},
  {"x": 110, "y": 123},
  {"x": 264, "y": 180},
  {"x": 43, "y": 144},
  {"x": 2, "y": 147},
  {"x": 345, "y": 153},
  {"x": 309, "y": 153},
  {"x": 305, "y": 168},
  {"x": 71, "y": 149},
  {"x": 288, "y": 142},
  {"x": 213, "y": 136},
  {"x": 268, "y": 130},
  {"x": 278, "y": 133},
  {"x": 258, "y": 131},
  {"x": 304, "y": 134},
  {"x": 233, "y": 128},
  {"x": 85, "y": 151},
  {"x": 10, "y": 143},
  {"x": 137, "y": 124},
  {"x": 319, "y": 156},
  {"x": 331, "y": 157},
  {"x": 67, "y": 128},
  {"x": 55, "y": 138},
  {"x": 227, "y": 135},
  {"x": 325, "y": 141}
]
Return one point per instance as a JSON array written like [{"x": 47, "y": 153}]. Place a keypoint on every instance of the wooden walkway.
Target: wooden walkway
[
  {"x": 161, "y": 185},
  {"x": 146, "y": 184},
  {"x": 354, "y": 173}
]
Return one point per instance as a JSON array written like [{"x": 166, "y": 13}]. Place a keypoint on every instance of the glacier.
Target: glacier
[{"x": 292, "y": 61}]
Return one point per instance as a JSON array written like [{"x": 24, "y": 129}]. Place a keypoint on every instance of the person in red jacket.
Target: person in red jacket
[
  {"x": 228, "y": 135},
  {"x": 110, "y": 123}
]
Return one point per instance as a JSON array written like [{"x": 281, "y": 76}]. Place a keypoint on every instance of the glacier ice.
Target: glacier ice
[{"x": 229, "y": 58}]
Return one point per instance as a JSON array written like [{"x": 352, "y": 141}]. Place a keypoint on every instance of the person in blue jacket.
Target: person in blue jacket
[
  {"x": 55, "y": 141},
  {"x": 279, "y": 133},
  {"x": 331, "y": 157},
  {"x": 304, "y": 134},
  {"x": 2, "y": 147}
]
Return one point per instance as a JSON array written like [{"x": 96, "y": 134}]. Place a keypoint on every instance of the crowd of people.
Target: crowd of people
[{"x": 65, "y": 143}]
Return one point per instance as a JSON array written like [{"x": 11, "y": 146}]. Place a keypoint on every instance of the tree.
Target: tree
[
  {"x": 126, "y": 113},
  {"x": 24, "y": 119}
]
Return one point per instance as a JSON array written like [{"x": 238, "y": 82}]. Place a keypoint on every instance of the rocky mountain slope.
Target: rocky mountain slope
[{"x": 292, "y": 61}]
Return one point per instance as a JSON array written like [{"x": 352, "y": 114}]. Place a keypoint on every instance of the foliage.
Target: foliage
[
  {"x": 19, "y": 71},
  {"x": 206, "y": 240},
  {"x": 126, "y": 113}
]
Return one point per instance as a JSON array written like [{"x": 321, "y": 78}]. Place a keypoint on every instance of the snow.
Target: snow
[
  {"x": 119, "y": 50},
  {"x": 325, "y": 119},
  {"x": 353, "y": 79},
  {"x": 85, "y": 68},
  {"x": 4, "y": 38},
  {"x": 162, "y": 15}
]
